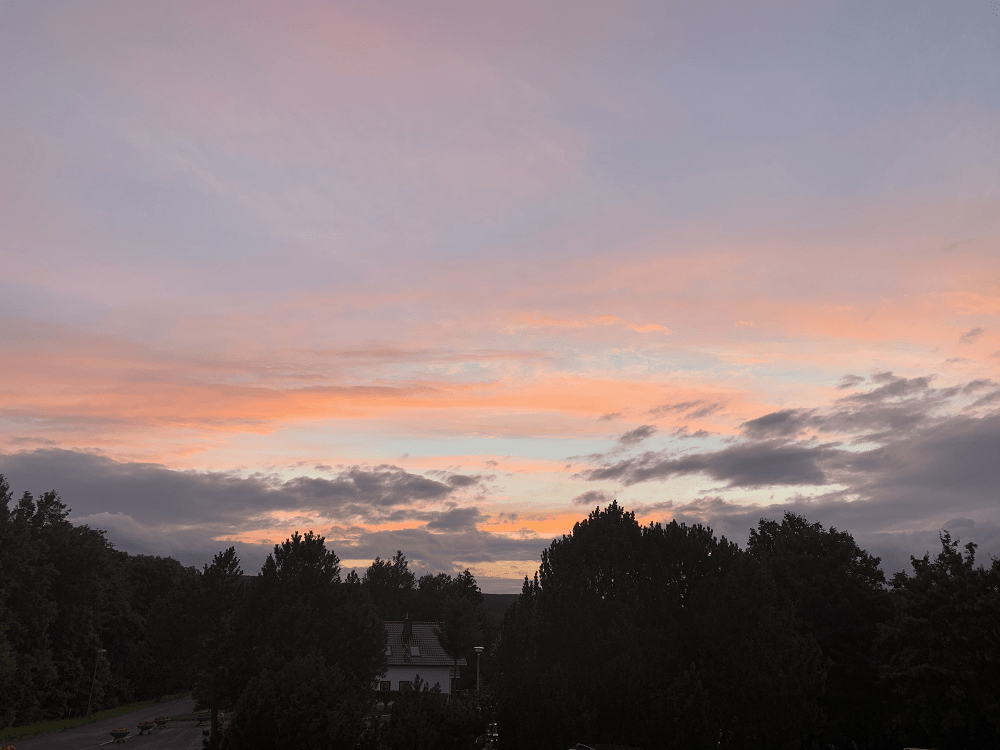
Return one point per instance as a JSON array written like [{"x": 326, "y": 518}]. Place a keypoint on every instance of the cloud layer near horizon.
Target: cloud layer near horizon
[
  {"x": 911, "y": 459},
  {"x": 364, "y": 511}
]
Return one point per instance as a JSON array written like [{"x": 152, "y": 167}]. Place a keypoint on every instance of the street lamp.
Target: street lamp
[
  {"x": 479, "y": 650},
  {"x": 93, "y": 681}
]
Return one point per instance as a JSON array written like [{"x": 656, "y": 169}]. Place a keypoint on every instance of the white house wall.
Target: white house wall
[{"x": 430, "y": 675}]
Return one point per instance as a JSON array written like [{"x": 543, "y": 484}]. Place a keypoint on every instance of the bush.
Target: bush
[
  {"x": 426, "y": 719},
  {"x": 304, "y": 705}
]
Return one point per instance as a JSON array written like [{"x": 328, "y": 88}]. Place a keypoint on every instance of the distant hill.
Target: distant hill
[{"x": 496, "y": 605}]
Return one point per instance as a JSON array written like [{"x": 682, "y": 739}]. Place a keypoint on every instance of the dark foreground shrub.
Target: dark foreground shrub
[
  {"x": 426, "y": 719},
  {"x": 305, "y": 705}
]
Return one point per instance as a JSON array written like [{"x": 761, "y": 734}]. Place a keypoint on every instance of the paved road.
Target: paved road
[{"x": 178, "y": 735}]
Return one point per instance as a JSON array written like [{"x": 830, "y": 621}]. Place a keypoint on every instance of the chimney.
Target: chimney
[{"x": 407, "y": 628}]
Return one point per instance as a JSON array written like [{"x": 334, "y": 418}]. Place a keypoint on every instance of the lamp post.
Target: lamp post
[
  {"x": 479, "y": 650},
  {"x": 94, "y": 681}
]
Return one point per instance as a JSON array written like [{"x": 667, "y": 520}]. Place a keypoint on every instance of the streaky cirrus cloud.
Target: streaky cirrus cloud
[{"x": 414, "y": 273}]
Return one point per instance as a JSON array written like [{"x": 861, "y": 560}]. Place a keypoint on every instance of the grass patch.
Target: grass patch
[{"x": 56, "y": 725}]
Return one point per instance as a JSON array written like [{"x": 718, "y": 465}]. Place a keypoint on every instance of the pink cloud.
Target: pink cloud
[{"x": 647, "y": 328}]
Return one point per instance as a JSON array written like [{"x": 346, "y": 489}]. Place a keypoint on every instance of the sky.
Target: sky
[{"x": 444, "y": 277}]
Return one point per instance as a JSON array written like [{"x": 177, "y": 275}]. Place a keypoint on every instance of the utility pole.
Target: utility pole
[
  {"x": 479, "y": 650},
  {"x": 94, "y": 681}
]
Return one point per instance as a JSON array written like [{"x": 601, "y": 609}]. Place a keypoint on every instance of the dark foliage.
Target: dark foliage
[
  {"x": 302, "y": 704},
  {"x": 217, "y": 610},
  {"x": 390, "y": 586},
  {"x": 301, "y": 635},
  {"x": 839, "y": 598},
  {"x": 943, "y": 650},
  {"x": 76, "y": 614},
  {"x": 425, "y": 719},
  {"x": 654, "y": 637},
  {"x": 395, "y": 592},
  {"x": 461, "y": 629},
  {"x": 65, "y": 593}
]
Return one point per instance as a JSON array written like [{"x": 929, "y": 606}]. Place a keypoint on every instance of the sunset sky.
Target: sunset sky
[{"x": 444, "y": 277}]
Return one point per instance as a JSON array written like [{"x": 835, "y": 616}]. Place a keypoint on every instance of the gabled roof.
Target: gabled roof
[{"x": 422, "y": 636}]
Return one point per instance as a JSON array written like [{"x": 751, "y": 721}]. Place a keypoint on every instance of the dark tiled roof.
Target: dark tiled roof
[{"x": 422, "y": 636}]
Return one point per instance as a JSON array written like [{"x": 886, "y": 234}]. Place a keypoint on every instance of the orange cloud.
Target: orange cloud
[
  {"x": 649, "y": 327},
  {"x": 546, "y": 321}
]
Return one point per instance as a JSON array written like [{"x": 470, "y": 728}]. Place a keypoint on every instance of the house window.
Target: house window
[
  {"x": 405, "y": 685},
  {"x": 414, "y": 650},
  {"x": 388, "y": 650},
  {"x": 385, "y": 686}
]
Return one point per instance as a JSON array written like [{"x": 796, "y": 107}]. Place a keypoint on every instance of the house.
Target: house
[{"x": 414, "y": 650}]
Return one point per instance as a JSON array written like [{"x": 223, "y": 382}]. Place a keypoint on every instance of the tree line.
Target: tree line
[
  {"x": 667, "y": 636},
  {"x": 295, "y": 651},
  {"x": 658, "y": 636}
]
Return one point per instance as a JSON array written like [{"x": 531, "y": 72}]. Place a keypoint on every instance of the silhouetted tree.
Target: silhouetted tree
[
  {"x": 65, "y": 592},
  {"x": 172, "y": 635},
  {"x": 460, "y": 630},
  {"x": 943, "y": 650},
  {"x": 303, "y": 704},
  {"x": 312, "y": 645},
  {"x": 572, "y": 653},
  {"x": 839, "y": 596},
  {"x": 660, "y": 636},
  {"x": 655, "y": 636},
  {"x": 390, "y": 585},
  {"x": 146, "y": 582},
  {"x": 758, "y": 679},
  {"x": 60, "y": 586},
  {"x": 434, "y": 590},
  {"x": 218, "y": 606},
  {"x": 425, "y": 719},
  {"x": 7, "y": 672}
]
